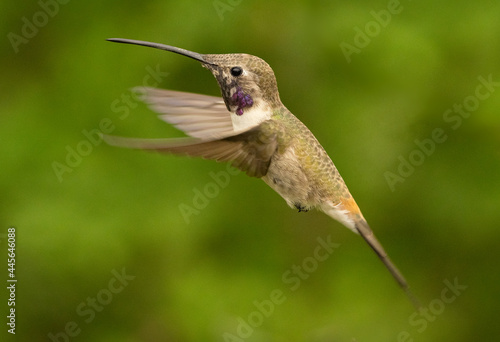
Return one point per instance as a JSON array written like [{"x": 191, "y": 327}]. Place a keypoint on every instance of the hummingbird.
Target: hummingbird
[{"x": 250, "y": 128}]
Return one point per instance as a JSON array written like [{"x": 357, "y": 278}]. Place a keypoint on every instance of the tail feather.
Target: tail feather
[
  {"x": 367, "y": 234},
  {"x": 347, "y": 212}
]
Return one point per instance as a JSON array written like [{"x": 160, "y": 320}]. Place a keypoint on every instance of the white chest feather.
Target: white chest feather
[{"x": 251, "y": 117}]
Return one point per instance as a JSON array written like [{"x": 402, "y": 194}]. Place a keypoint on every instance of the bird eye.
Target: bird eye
[{"x": 236, "y": 71}]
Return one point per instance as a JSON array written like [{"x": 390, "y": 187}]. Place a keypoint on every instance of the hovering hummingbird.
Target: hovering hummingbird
[{"x": 250, "y": 128}]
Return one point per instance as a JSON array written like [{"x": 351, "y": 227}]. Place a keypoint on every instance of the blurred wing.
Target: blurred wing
[
  {"x": 250, "y": 151},
  {"x": 199, "y": 116}
]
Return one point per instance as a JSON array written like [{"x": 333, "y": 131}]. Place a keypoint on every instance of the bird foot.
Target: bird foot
[{"x": 301, "y": 208}]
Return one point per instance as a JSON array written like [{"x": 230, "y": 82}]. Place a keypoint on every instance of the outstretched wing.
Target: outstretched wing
[
  {"x": 250, "y": 151},
  {"x": 199, "y": 116}
]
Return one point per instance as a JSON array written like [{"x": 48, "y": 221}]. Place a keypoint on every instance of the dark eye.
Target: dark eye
[{"x": 236, "y": 71}]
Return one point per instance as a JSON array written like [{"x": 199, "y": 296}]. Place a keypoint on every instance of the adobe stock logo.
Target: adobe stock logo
[
  {"x": 75, "y": 154},
  {"x": 293, "y": 279},
  {"x": 454, "y": 117},
  {"x": 421, "y": 319},
  {"x": 224, "y": 6},
  {"x": 363, "y": 36},
  {"x": 31, "y": 27},
  {"x": 90, "y": 308},
  {"x": 201, "y": 198}
]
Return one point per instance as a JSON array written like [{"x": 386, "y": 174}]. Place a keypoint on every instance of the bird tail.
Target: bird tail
[
  {"x": 347, "y": 212},
  {"x": 367, "y": 234}
]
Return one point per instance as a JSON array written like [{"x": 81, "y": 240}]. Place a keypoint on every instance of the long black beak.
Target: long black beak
[{"x": 194, "y": 55}]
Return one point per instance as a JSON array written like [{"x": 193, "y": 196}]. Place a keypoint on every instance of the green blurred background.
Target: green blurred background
[{"x": 117, "y": 210}]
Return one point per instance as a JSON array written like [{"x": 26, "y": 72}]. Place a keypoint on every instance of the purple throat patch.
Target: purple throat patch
[{"x": 242, "y": 100}]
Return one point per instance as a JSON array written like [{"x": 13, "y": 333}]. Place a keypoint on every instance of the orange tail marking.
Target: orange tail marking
[{"x": 349, "y": 204}]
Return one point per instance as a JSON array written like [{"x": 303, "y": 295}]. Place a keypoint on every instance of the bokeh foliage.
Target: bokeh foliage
[{"x": 119, "y": 208}]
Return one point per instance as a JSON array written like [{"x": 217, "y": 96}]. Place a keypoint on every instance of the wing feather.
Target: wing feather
[
  {"x": 249, "y": 151},
  {"x": 208, "y": 123},
  {"x": 199, "y": 116}
]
